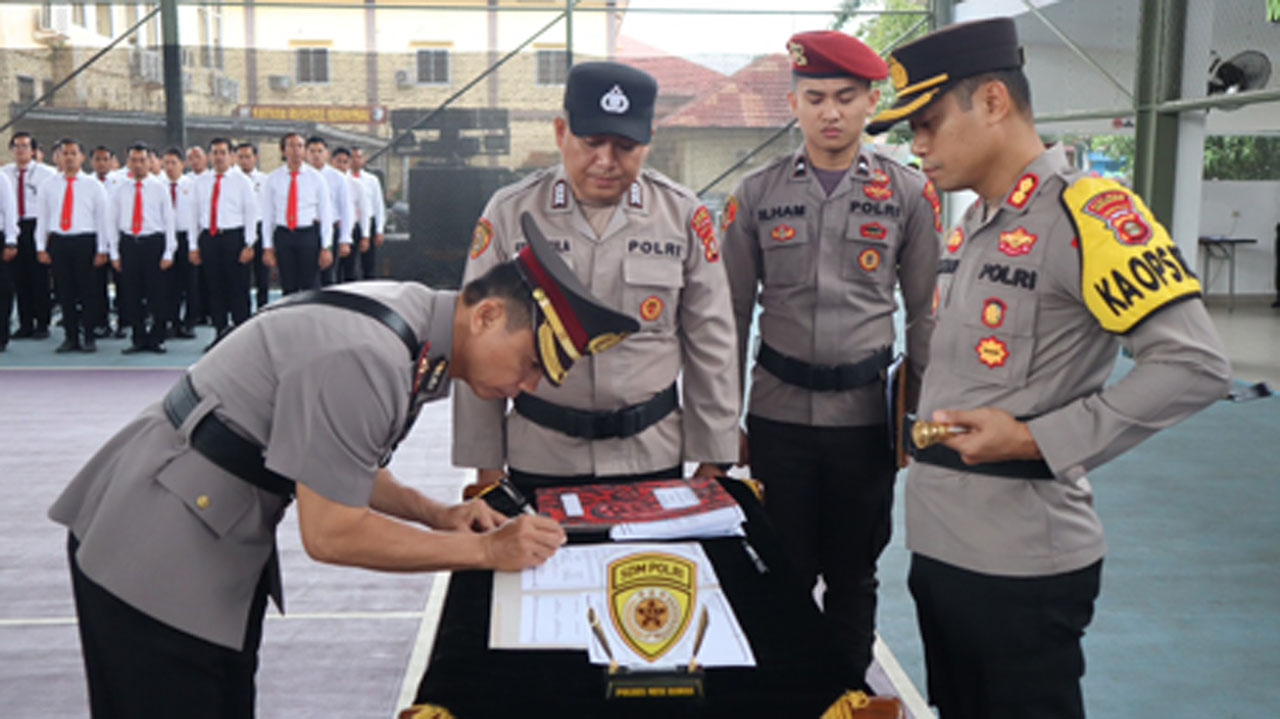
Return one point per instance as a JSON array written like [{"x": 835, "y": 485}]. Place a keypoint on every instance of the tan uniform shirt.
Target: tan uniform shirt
[
  {"x": 1033, "y": 304},
  {"x": 657, "y": 260},
  {"x": 827, "y": 266},
  {"x": 324, "y": 390}
]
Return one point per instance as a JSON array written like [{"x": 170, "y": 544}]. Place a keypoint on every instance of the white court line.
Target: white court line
[
  {"x": 425, "y": 641},
  {"x": 902, "y": 684}
]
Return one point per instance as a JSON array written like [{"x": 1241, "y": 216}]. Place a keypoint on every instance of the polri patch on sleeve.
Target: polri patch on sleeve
[
  {"x": 702, "y": 226},
  {"x": 480, "y": 237},
  {"x": 1129, "y": 266}
]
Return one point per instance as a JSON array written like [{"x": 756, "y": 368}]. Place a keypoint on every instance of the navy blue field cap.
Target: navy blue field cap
[
  {"x": 608, "y": 98},
  {"x": 926, "y": 68}
]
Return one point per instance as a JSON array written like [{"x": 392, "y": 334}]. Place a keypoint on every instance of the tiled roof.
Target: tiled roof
[
  {"x": 754, "y": 96},
  {"x": 676, "y": 76}
]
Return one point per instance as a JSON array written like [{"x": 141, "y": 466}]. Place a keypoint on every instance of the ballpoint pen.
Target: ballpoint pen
[
  {"x": 514, "y": 495},
  {"x": 697, "y": 639},
  {"x": 598, "y": 630}
]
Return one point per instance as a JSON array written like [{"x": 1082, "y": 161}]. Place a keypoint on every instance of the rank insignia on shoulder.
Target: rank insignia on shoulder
[
  {"x": 729, "y": 213},
  {"x": 782, "y": 233},
  {"x": 993, "y": 309},
  {"x": 480, "y": 237},
  {"x": 955, "y": 239},
  {"x": 931, "y": 195},
  {"x": 1017, "y": 242},
  {"x": 560, "y": 195},
  {"x": 702, "y": 226},
  {"x": 1129, "y": 266},
  {"x": 873, "y": 230},
  {"x": 651, "y": 308},
  {"x": 1022, "y": 190},
  {"x": 635, "y": 196},
  {"x": 869, "y": 259},
  {"x": 801, "y": 168},
  {"x": 992, "y": 352}
]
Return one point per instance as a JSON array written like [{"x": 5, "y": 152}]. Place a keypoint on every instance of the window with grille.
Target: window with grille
[
  {"x": 313, "y": 64},
  {"x": 26, "y": 90},
  {"x": 433, "y": 67},
  {"x": 552, "y": 68}
]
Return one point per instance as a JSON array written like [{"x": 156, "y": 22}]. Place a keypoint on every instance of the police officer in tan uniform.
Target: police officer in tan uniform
[
  {"x": 646, "y": 247},
  {"x": 172, "y": 523},
  {"x": 1046, "y": 276},
  {"x": 828, "y": 232}
]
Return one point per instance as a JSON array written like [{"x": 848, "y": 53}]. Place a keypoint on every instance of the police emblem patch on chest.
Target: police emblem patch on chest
[
  {"x": 873, "y": 230},
  {"x": 480, "y": 237},
  {"x": 702, "y": 226},
  {"x": 993, "y": 309},
  {"x": 992, "y": 352},
  {"x": 651, "y": 308},
  {"x": 955, "y": 239},
  {"x": 1017, "y": 242},
  {"x": 782, "y": 233},
  {"x": 869, "y": 259},
  {"x": 878, "y": 187},
  {"x": 651, "y": 599}
]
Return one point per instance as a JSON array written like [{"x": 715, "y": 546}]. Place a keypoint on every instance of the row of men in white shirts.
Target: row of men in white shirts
[{"x": 295, "y": 219}]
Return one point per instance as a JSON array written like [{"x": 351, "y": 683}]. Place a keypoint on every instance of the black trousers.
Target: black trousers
[
  {"x": 227, "y": 277},
  {"x": 137, "y": 666},
  {"x": 346, "y": 266},
  {"x": 30, "y": 281},
  {"x": 369, "y": 261},
  {"x": 297, "y": 258},
  {"x": 1003, "y": 647},
  {"x": 184, "y": 298},
  {"x": 829, "y": 493},
  {"x": 528, "y": 482},
  {"x": 328, "y": 274},
  {"x": 75, "y": 279},
  {"x": 261, "y": 273},
  {"x": 6, "y": 292},
  {"x": 1278, "y": 260},
  {"x": 142, "y": 281},
  {"x": 102, "y": 277}
]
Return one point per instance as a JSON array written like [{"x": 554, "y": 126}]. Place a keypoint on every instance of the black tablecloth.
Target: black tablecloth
[{"x": 798, "y": 673}]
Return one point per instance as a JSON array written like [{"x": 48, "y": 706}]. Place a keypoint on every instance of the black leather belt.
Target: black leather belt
[
  {"x": 584, "y": 424},
  {"x": 943, "y": 456},
  {"x": 824, "y": 378},
  {"x": 142, "y": 238},
  {"x": 213, "y": 439}
]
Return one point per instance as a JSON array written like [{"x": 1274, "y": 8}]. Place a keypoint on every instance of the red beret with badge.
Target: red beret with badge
[{"x": 830, "y": 53}]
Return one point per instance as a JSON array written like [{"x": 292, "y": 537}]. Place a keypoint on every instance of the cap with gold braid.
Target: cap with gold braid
[
  {"x": 926, "y": 68},
  {"x": 568, "y": 321}
]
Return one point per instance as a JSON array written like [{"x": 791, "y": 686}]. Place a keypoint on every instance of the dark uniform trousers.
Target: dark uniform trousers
[
  {"x": 6, "y": 294},
  {"x": 174, "y": 673},
  {"x": 102, "y": 277},
  {"x": 1003, "y": 647},
  {"x": 297, "y": 258},
  {"x": 141, "y": 280},
  {"x": 227, "y": 277},
  {"x": 261, "y": 273},
  {"x": 75, "y": 279},
  {"x": 829, "y": 493},
  {"x": 30, "y": 281},
  {"x": 327, "y": 275},
  {"x": 346, "y": 266},
  {"x": 181, "y": 281},
  {"x": 528, "y": 482},
  {"x": 369, "y": 260}
]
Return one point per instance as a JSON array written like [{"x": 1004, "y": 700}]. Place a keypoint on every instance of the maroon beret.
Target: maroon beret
[{"x": 830, "y": 53}]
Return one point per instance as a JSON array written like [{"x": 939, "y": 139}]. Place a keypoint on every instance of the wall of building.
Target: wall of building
[{"x": 1242, "y": 209}]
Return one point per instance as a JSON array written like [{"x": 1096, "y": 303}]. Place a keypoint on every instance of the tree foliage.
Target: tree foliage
[{"x": 1242, "y": 157}]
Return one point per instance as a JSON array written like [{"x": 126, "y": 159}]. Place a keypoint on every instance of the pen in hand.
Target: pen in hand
[{"x": 514, "y": 495}]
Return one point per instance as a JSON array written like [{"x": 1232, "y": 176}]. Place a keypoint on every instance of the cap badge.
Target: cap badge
[
  {"x": 897, "y": 73},
  {"x": 615, "y": 101},
  {"x": 797, "y": 54}
]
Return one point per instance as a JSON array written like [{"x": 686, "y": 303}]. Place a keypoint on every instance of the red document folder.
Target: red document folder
[{"x": 607, "y": 504}]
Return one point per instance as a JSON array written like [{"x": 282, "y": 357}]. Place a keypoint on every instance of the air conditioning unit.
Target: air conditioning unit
[
  {"x": 404, "y": 78},
  {"x": 147, "y": 66},
  {"x": 225, "y": 88},
  {"x": 53, "y": 23},
  {"x": 279, "y": 83}
]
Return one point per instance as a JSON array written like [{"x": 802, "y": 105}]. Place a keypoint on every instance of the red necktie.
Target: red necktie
[
  {"x": 22, "y": 193},
  {"x": 213, "y": 205},
  {"x": 291, "y": 210},
  {"x": 135, "y": 226},
  {"x": 173, "y": 193},
  {"x": 68, "y": 201}
]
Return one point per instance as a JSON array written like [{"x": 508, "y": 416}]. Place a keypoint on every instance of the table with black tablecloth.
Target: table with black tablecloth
[{"x": 798, "y": 671}]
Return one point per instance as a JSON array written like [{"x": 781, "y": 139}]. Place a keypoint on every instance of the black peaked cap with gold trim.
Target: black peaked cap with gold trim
[
  {"x": 568, "y": 321},
  {"x": 926, "y": 68}
]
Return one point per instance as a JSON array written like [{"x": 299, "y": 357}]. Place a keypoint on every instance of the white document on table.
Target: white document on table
[{"x": 545, "y": 607}]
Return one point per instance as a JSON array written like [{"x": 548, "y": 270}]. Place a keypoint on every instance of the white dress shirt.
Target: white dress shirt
[
  {"x": 8, "y": 213},
  {"x": 314, "y": 205},
  {"x": 181, "y": 192},
  {"x": 88, "y": 210},
  {"x": 340, "y": 196},
  {"x": 377, "y": 203},
  {"x": 157, "y": 214},
  {"x": 34, "y": 176},
  {"x": 237, "y": 206},
  {"x": 360, "y": 201}
]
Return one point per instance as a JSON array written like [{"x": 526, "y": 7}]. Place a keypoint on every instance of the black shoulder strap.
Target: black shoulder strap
[{"x": 357, "y": 303}]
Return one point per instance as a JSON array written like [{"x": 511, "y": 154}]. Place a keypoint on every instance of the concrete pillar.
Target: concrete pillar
[{"x": 1188, "y": 182}]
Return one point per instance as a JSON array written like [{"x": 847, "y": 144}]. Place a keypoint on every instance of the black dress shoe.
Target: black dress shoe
[
  {"x": 133, "y": 350},
  {"x": 68, "y": 345},
  {"x": 89, "y": 345},
  {"x": 23, "y": 334},
  {"x": 41, "y": 333},
  {"x": 121, "y": 333},
  {"x": 156, "y": 349},
  {"x": 184, "y": 333},
  {"x": 100, "y": 333}
]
